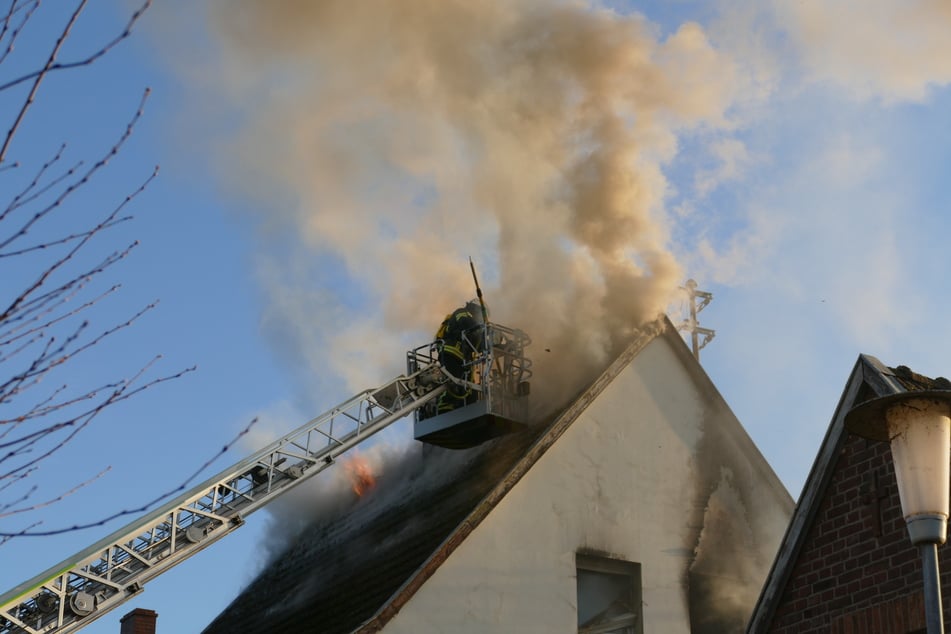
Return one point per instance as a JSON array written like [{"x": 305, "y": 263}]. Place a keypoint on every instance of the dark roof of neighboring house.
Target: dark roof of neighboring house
[
  {"x": 870, "y": 379},
  {"x": 355, "y": 574}
]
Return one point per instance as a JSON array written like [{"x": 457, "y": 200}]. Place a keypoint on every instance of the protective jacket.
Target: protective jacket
[
  {"x": 456, "y": 328},
  {"x": 458, "y": 337}
]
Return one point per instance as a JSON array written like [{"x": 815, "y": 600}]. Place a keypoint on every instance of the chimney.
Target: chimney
[{"x": 139, "y": 621}]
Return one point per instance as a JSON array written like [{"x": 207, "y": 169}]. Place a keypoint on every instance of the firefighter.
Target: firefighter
[{"x": 458, "y": 339}]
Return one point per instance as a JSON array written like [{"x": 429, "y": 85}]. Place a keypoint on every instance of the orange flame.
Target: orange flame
[{"x": 361, "y": 475}]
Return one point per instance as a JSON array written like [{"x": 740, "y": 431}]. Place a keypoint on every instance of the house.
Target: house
[
  {"x": 641, "y": 506},
  {"x": 846, "y": 563}
]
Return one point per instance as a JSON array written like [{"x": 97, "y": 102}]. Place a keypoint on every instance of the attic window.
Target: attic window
[{"x": 609, "y": 596}]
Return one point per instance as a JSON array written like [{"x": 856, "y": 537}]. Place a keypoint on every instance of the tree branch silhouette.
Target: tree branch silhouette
[
  {"x": 28, "y": 532},
  {"x": 56, "y": 275}
]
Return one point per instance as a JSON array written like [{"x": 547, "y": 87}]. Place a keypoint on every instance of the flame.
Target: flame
[{"x": 361, "y": 475}]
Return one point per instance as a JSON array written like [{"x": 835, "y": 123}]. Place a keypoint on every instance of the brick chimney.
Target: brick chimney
[{"x": 139, "y": 621}]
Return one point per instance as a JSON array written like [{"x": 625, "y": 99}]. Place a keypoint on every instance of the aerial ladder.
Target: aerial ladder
[{"x": 98, "y": 579}]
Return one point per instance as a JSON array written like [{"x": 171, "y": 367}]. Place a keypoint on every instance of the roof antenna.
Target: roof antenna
[
  {"x": 485, "y": 313},
  {"x": 691, "y": 324}
]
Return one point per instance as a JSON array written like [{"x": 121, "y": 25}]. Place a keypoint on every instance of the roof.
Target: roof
[
  {"x": 870, "y": 379},
  {"x": 357, "y": 573}
]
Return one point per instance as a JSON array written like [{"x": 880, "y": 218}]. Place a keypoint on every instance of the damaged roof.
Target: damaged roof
[
  {"x": 870, "y": 379},
  {"x": 355, "y": 574}
]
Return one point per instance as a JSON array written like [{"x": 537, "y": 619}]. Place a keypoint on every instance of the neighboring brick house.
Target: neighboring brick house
[
  {"x": 846, "y": 564},
  {"x": 641, "y": 506}
]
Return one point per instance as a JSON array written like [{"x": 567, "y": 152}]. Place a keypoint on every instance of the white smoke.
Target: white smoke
[
  {"x": 894, "y": 50},
  {"x": 399, "y": 138}
]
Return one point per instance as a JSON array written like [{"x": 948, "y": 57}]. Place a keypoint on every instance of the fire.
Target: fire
[{"x": 361, "y": 475}]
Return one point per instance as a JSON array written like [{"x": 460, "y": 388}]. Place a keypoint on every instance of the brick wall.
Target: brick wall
[
  {"x": 139, "y": 621},
  {"x": 858, "y": 572}
]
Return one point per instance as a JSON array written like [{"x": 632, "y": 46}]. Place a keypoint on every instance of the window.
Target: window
[{"x": 609, "y": 596}]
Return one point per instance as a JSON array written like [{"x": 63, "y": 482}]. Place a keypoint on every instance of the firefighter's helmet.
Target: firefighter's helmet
[{"x": 474, "y": 307}]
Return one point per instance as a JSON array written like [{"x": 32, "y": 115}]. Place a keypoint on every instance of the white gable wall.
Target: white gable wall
[{"x": 623, "y": 480}]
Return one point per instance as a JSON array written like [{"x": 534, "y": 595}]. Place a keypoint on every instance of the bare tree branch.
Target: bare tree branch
[
  {"x": 23, "y": 329},
  {"x": 76, "y": 423},
  {"x": 51, "y": 65},
  {"x": 87, "y": 60},
  {"x": 24, "y": 531},
  {"x": 102, "y": 162},
  {"x": 38, "y": 78},
  {"x": 46, "y": 309},
  {"x": 8, "y": 509},
  {"x": 25, "y": 197},
  {"x": 12, "y": 30},
  {"x": 27, "y": 532},
  {"x": 15, "y": 479}
]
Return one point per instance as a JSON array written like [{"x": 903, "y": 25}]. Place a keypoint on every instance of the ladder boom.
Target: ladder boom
[{"x": 96, "y": 580}]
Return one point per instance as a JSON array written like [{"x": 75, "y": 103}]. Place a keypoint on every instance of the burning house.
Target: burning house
[
  {"x": 534, "y": 136},
  {"x": 639, "y": 505}
]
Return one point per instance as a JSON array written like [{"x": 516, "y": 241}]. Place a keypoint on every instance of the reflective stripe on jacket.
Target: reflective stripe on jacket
[{"x": 457, "y": 324}]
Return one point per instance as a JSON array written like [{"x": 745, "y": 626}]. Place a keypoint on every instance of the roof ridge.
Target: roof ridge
[{"x": 537, "y": 449}]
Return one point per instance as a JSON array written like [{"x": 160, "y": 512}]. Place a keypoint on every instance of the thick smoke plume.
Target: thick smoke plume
[
  {"x": 398, "y": 138},
  {"x": 728, "y": 565}
]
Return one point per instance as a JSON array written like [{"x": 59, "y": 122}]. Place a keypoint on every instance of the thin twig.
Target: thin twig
[
  {"x": 79, "y": 423},
  {"x": 102, "y": 162},
  {"x": 28, "y": 10},
  {"x": 22, "y": 199},
  {"x": 5, "y": 511},
  {"x": 18, "y": 331},
  {"x": 51, "y": 67},
  {"x": 38, "y": 78},
  {"x": 140, "y": 509}
]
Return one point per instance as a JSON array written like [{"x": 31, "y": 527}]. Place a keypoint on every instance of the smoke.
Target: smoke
[
  {"x": 728, "y": 568},
  {"x": 898, "y": 51},
  {"x": 394, "y": 139},
  {"x": 329, "y": 498},
  {"x": 402, "y": 472}
]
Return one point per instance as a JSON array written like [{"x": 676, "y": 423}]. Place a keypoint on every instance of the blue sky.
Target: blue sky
[{"x": 795, "y": 166}]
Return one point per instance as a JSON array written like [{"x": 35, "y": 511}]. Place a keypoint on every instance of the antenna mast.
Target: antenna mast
[{"x": 691, "y": 324}]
